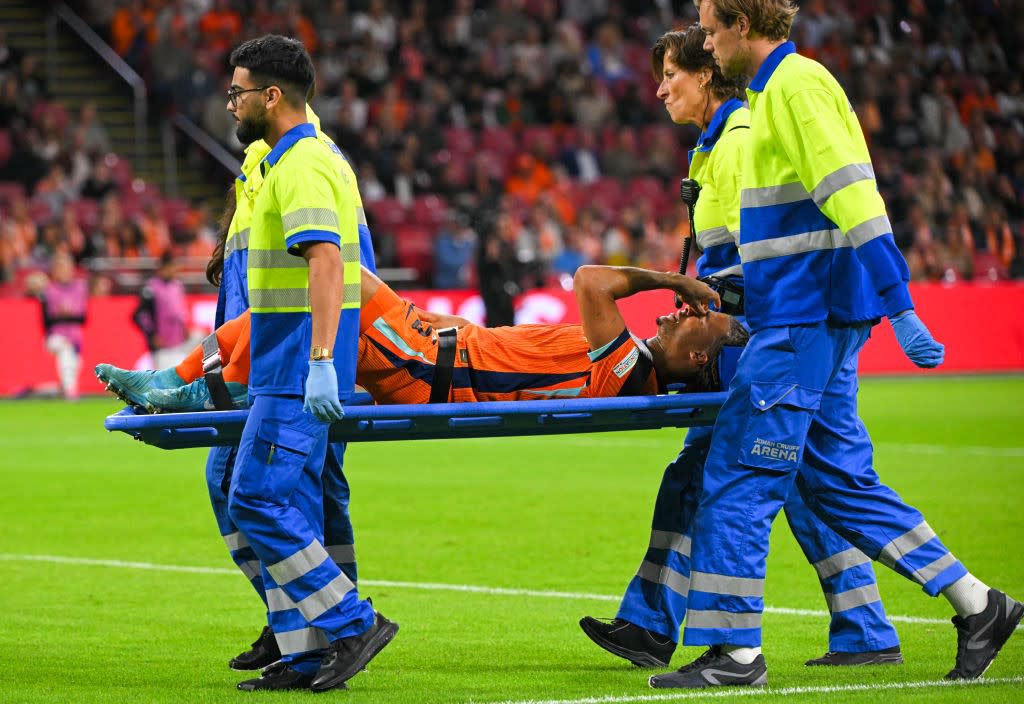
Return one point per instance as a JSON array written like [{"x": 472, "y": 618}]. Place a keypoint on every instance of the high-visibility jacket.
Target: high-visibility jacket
[
  {"x": 715, "y": 164},
  {"x": 815, "y": 240},
  {"x": 308, "y": 194},
  {"x": 233, "y": 296}
]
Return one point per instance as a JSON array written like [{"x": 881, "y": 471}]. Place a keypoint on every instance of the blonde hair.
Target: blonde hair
[{"x": 770, "y": 19}]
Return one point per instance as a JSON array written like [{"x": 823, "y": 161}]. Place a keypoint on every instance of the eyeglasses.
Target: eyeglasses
[{"x": 233, "y": 94}]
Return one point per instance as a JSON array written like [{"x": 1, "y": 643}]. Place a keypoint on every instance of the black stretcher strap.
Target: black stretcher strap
[
  {"x": 445, "y": 365},
  {"x": 213, "y": 373}
]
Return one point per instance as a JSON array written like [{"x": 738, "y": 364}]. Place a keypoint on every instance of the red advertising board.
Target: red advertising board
[{"x": 981, "y": 325}]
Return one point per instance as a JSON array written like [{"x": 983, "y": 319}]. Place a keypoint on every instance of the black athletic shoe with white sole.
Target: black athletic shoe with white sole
[
  {"x": 979, "y": 637},
  {"x": 714, "y": 669},
  {"x": 629, "y": 641},
  {"x": 886, "y": 656},
  {"x": 347, "y": 656}
]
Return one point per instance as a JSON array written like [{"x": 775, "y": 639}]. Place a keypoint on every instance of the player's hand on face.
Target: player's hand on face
[{"x": 695, "y": 294}]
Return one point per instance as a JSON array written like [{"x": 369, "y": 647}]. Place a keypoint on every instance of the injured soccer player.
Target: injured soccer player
[{"x": 408, "y": 355}]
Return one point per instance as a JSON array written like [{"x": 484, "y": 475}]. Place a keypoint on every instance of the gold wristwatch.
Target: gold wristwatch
[{"x": 317, "y": 353}]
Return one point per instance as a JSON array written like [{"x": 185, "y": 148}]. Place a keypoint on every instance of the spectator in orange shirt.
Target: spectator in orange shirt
[
  {"x": 298, "y": 25},
  {"x": 221, "y": 26},
  {"x": 999, "y": 236},
  {"x": 17, "y": 238},
  {"x": 529, "y": 179},
  {"x": 156, "y": 233},
  {"x": 133, "y": 31},
  {"x": 977, "y": 96}
]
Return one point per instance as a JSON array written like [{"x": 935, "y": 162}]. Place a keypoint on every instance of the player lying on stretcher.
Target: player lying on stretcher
[{"x": 399, "y": 350}]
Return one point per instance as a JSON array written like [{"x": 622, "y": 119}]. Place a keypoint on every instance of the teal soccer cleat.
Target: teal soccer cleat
[
  {"x": 193, "y": 397},
  {"x": 132, "y": 386}
]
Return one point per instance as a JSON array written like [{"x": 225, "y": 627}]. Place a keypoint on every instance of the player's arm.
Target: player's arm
[
  {"x": 598, "y": 287},
  {"x": 440, "y": 320},
  {"x": 835, "y": 168}
]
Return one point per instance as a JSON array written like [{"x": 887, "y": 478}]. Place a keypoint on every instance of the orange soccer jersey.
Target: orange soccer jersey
[{"x": 398, "y": 350}]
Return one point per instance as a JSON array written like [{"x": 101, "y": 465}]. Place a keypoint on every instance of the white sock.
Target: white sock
[
  {"x": 967, "y": 595},
  {"x": 742, "y": 655}
]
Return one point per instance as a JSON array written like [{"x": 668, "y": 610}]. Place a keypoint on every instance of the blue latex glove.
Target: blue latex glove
[
  {"x": 322, "y": 392},
  {"x": 917, "y": 343}
]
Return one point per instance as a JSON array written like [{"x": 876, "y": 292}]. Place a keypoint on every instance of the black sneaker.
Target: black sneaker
[
  {"x": 979, "y": 637},
  {"x": 887, "y": 656},
  {"x": 279, "y": 676},
  {"x": 347, "y": 656},
  {"x": 629, "y": 641},
  {"x": 714, "y": 669},
  {"x": 262, "y": 653}
]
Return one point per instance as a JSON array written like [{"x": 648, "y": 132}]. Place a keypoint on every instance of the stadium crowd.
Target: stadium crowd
[{"x": 529, "y": 124}]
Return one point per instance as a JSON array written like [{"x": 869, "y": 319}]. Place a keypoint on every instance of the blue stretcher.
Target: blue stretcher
[{"x": 366, "y": 422}]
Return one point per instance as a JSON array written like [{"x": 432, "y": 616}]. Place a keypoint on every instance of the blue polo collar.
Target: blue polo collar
[
  {"x": 709, "y": 137},
  {"x": 287, "y": 141},
  {"x": 770, "y": 64}
]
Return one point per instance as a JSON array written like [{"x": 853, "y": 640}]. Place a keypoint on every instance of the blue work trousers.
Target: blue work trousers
[
  {"x": 339, "y": 538},
  {"x": 656, "y": 597},
  {"x": 791, "y": 417},
  {"x": 276, "y": 500}
]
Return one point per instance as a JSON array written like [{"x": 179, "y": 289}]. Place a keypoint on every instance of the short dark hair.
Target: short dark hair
[
  {"x": 685, "y": 49},
  {"x": 709, "y": 377},
  {"x": 281, "y": 61}
]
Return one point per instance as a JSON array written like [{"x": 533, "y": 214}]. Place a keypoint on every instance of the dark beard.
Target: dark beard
[{"x": 251, "y": 129}]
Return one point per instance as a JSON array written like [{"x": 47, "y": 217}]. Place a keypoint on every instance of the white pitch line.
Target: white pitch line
[
  {"x": 731, "y": 692},
  {"x": 423, "y": 586},
  {"x": 982, "y": 450},
  {"x": 621, "y": 441}
]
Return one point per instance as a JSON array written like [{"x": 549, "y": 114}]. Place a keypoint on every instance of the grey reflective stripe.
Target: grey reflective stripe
[
  {"x": 852, "y": 598},
  {"x": 840, "y": 179},
  {"x": 350, "y": 252},
  {"x": 298, "y": 564},
  {"x": 869, "y": 230},
  {"x": 237, "y": 241},
  {"x": 327, "y": 597},
  {"x": 734, "y": 270},
  {"x": 773, "y": 195},
  {"x": 723, "y": 584},
  {"x": 360, "y": 216},
  {"x": 310, "y": 217},
  {"x": 667, "y": 540},
  {"x": 279, "y": 298},
  {"x": 831, "y": 566},
  {"x": 658, "y": 574},
  {"x": 236, "y": 541},
  {"x": 352, "y": 292},
  {"x": 301, "y": 641},
  {"x": 793, "y": 244},
  {"x": 933, "y": 570},
  {"x": 721, "y": 619},
  {"x": 342, "y": 553},
  {"x": 250, "y": 569},
  {"x": 275, "y": 259},
  {"x": 714, "y": 235},
  {"x": 911, "y": 540}
]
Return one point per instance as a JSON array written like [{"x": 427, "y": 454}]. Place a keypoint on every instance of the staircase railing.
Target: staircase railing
[{"x": 63, "y": 13}]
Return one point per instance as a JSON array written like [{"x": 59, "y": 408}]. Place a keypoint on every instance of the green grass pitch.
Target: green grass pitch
[{"x": 535, "y": 516}]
